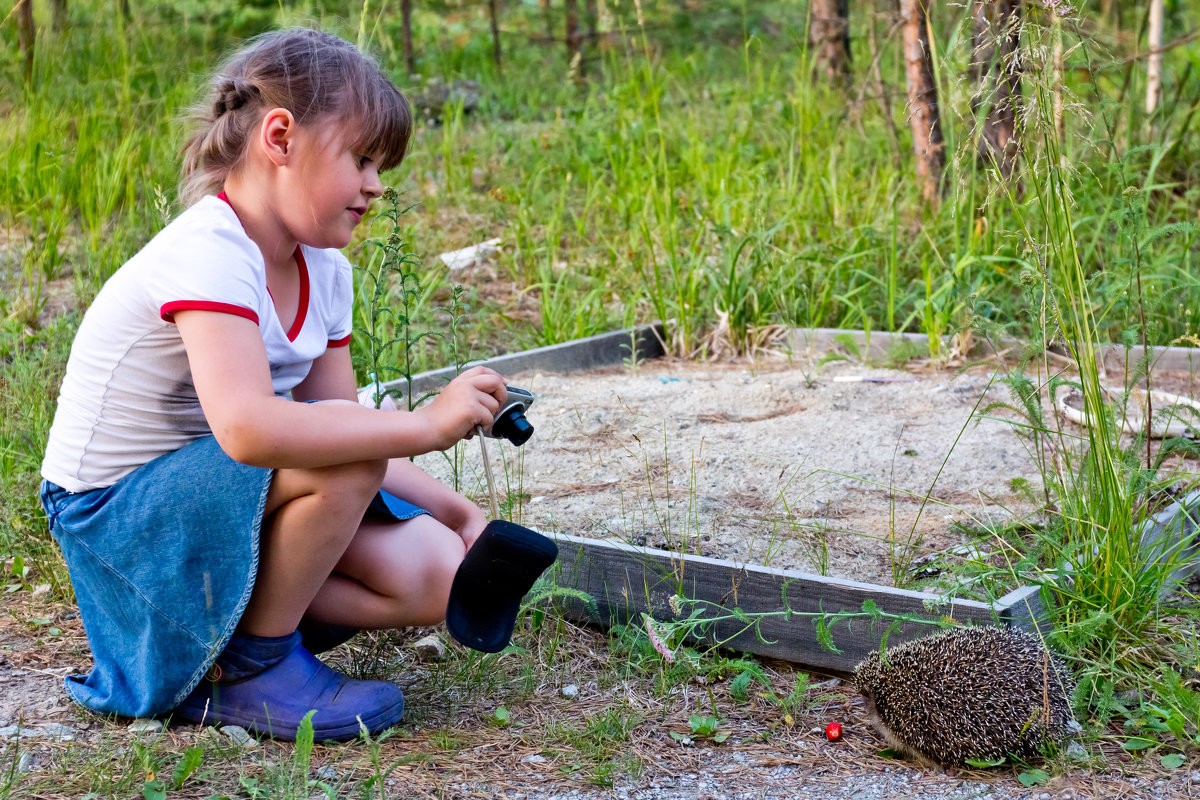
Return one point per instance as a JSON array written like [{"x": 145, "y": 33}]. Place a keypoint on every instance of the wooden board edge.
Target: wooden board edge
[
  {"x": 640, "y": 343},
  {"x": 626, "y": 582},
  {"x": 1023, "y": 608},
  {"x": 645, "y": 342},
  {"x": 884, "y": 345}
]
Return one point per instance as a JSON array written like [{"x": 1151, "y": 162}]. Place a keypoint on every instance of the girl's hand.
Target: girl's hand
[
  {"x": 405, "y": 479},
  {"x": 467, "y": 520},
  {"x": 473, "y": 398}
]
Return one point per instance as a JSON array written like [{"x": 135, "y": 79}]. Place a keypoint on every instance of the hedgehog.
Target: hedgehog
[{"x": 968, "y": 693}]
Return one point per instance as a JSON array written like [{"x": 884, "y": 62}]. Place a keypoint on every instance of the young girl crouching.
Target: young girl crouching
[{"x": 207, "y": 507}]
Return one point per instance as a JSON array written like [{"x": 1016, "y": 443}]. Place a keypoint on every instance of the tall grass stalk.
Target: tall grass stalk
[{"x": 1106, "y": 588}]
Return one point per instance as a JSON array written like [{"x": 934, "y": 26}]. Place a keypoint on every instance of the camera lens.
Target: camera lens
[{"x": 512, "y": 425}]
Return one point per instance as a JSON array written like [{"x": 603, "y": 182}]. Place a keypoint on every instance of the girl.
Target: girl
[{"x": 204, "y": 515}]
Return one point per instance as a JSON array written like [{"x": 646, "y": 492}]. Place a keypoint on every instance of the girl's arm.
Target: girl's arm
[
  {"x": 408, "y": 481},
  {"x": 332, "y": 376},
  {"x": 233, "y": 382}
]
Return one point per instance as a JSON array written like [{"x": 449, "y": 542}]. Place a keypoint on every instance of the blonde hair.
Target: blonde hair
[{"x": 314, "y": 75}]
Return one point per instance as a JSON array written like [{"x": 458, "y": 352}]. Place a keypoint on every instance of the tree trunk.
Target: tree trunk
[
  {"x": 829, "y": 36},
  {"x": 410, "y": 60},
  {"x": 574, "y": 51},
  {"x": 26, "y": 35},
  {"x": 1154, "y": 64},
  {"x": 883, "y": 92},
  {"x": 58, "y": 11},
  {"x": 996, "y": 72},
  {"x": 548, "y": 17},
  {"x": 494, "y": 13},
  {"x": 1110, "y": 10},
  {"x": 928, "y": 145}
]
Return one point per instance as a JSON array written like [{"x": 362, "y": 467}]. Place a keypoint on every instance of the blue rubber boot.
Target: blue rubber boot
[{"x": 268, "y": 683}]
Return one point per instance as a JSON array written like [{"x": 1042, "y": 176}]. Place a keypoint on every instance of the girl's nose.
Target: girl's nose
[{"x": 373, "y": 186}]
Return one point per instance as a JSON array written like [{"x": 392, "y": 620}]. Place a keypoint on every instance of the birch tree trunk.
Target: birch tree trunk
[
  {"x": 1154, "y": 64},
  {"x": 996, "y": 72},
  {"x": 829, "y": 36},
  {"x": 928, "y": 145}
]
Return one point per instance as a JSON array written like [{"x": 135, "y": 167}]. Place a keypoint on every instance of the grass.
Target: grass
[{"x": 700, "y": 177}]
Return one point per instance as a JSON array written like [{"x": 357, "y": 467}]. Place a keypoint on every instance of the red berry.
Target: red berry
[{"x": 833, "y": 731}]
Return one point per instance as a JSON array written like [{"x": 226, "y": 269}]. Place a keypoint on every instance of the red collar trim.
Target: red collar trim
[
  {"x": 302, "y": 309},
  {"x": 302, "y": 266}
]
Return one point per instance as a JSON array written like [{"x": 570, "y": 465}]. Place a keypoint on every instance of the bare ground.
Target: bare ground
[
  {"x": 573, "y": 733},
  {"x": 747, "y": 463},
  {"x": 772, "y": 463}
]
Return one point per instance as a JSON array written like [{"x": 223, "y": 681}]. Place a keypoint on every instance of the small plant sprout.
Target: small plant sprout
[
  {"x": 702, "y": 726},
  {"x": 707, "y": 727}
]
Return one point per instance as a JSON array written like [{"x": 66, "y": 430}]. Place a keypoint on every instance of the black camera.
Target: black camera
[{"x": 510, "y": 422}]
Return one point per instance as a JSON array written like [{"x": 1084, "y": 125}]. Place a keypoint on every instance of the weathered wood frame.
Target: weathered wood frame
[
  {"x": 1113, "y": 358},
  {"x": 603, "y": 350},
  {"x": 626, "y": 581}
]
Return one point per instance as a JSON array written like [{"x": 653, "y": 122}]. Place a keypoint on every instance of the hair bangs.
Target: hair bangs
[{"x": 384, "y": 121}]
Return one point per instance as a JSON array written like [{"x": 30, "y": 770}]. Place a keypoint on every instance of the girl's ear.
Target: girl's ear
[{"x": 275, "y": 133}]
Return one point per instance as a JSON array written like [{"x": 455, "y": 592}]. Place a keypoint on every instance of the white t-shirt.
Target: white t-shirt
[{"x": 127, "y": 396}]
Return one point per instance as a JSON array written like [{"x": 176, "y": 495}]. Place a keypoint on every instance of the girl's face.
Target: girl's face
[{"x": 331, "y": 188}]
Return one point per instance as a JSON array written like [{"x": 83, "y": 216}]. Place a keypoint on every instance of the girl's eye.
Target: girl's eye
[{"x": 363, "y": 161}]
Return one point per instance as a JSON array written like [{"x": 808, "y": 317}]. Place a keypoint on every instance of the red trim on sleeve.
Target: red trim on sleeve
[
  {"x": 167, "y": 312},
  {"x": 345, "y": 340},
  {"x": 302, "y": 308}
]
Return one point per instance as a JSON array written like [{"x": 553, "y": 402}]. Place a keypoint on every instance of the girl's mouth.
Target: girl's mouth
[{"x": 358, "y": 213}]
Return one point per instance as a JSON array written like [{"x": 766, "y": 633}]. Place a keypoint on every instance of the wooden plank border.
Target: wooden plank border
[
  {"x": 626, "y": 581},
  {"x": 1112, "y": 358},
  {"x": 603, "y": 350},
  {"x": 646, "y": 342}
]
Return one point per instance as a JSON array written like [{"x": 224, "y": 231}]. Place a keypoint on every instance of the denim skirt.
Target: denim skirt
[{"x": 163, "y": 563}]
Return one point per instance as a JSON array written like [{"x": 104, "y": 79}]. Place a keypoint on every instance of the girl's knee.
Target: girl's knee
[
  {"x": 368, "y": 475},
  {"x": 342, "y": 492},
  {"x": 355, "y": 483},
  {"x": 443, "y": 555}
]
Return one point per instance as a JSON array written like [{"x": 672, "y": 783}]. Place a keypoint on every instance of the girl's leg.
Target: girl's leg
[
  {"x": 311, "y": 516},
  {"x": 391, "y": 575},
  {"x": 264, "y": 679}
]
